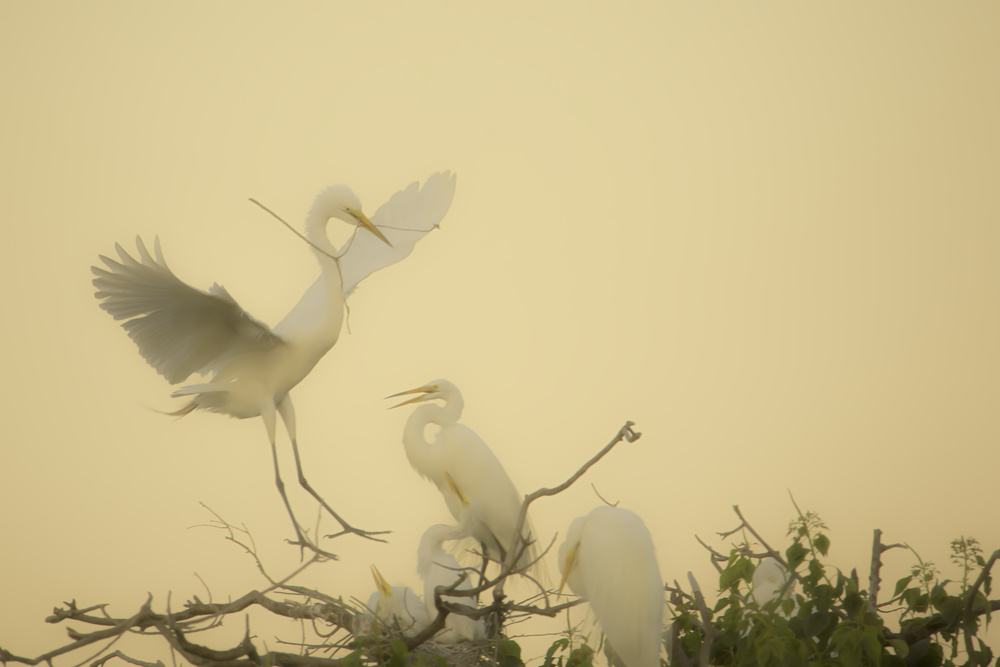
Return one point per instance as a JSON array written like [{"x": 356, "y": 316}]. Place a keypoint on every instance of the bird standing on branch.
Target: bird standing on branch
[
  {"x": 181, "y": 330},
  {"x": 458, "y": 452},
  {"x": 609, "y": 559}
]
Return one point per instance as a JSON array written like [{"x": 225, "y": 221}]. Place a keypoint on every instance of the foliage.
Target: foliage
[{"x": 831, "y": 619}]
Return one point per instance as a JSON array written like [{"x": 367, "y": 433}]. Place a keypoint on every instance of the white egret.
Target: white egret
[
  {"x": 397, "y": 607},
  {"x": 609, "y": 559},
  {"x": 457, "y": 451},
  {"x": 769, "y": 581},
  {"x": 181, "y": 330},
  {"x": 439, "y": 568}
]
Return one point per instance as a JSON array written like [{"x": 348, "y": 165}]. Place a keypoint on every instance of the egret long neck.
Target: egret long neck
[
  {"x": 316, "y": 319},
  {"x": 422, "y": 453}
]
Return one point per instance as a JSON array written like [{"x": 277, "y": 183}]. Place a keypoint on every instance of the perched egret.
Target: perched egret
[
  {"x": 609, "y": 559},
  {"x": 769, "y": 580},
  {"x": 457, "y": 451},
  {"x": 181, "y": 330},
  {"x": 439, "y": 568},
  {"x": 397, "y": 606}
]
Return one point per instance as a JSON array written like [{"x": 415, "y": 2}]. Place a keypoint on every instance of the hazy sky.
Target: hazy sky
[{"x": 768, "y": 234}]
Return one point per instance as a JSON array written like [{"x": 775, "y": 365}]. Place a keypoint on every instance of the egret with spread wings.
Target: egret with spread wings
[{"x": 181, "y": 330}]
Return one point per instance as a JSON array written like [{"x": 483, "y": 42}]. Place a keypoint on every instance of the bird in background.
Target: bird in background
[
  {"x": 769, "y": 581},
  {"x": 181, "y": 330},
  {"x": 609, "y": 559},
  {"x": 397, "y": 607},
  {"x": 457, "y": 451},
  {"x": 437, "y": 567}
]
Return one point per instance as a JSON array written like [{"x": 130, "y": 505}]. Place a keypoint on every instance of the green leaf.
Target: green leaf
[
  {"x": 580, "y": 657},
  {"x": 795, "y": 554},
  {"x": 900, "y": 647},
  {"x": 816, "y": 623},
  {"x": 557, "y": 645},
  {"x": 902, "y": 584},
  {"x": 872, "y": 646},
  {"x": 822, "y": 543},
  {"x": 509, "y": 654}
]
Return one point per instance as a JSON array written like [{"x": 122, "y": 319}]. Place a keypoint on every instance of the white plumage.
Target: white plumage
[
  {"x": 181, "y": 330},
  {"x": 439, "y": 568},
  {"x": 608, "y": 558},
  {"x": 457, "y": 451}
]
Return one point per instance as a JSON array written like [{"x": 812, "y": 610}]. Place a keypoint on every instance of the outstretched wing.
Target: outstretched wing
[
  {"x": 180, "y": 330},
  {"x": 404, "y": 219}
]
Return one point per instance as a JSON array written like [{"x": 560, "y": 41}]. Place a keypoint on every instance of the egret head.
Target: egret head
[
  {"x": 438, "y": 389},
  {"x": 339, "y": 201}
]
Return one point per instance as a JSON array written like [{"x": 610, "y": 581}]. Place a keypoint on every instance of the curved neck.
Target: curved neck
[
  {"x": 432, "y": 544},
  {"x": 316, "y": 319},
  {"x": 316, "y": 224},
  {"x": 419, "y": 450}
]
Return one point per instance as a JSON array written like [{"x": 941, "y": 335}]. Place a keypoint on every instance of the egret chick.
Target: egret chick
[
  {"x": 609, "y": 559},
  {"x": 457, "y": 451},
  {"x": 398, "y": 607},
  {"x": 181, "y": 330}
]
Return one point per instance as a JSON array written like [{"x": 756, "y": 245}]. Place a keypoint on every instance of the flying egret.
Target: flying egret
[
  {"x": 181, "y": 330},
  {"x": 457, "y": 451},
  {"x": 439, "y": 568},
  {"x": 609, "y": 559},
  {"x": 397, "y": 606}
]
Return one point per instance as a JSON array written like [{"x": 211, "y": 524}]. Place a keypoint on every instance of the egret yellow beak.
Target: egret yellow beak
[
  {"x": 363, "y": 221},
  {"x": 570, "y": 562},
  {"x": 381, "y": 583},
  {"x": 426, "y": 389},
  {"x": 454, "y": 489}
]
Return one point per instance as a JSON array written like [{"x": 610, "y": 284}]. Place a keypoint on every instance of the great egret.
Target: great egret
[
  {"x": 439, "y": 568},
  {"x": 457, "y": 451},
  {"x": 181, "y": 330},
  {"x": 609, "y": 559},
  {"x": 397, "y": 606},
  {"x": 769, "y": 580}
]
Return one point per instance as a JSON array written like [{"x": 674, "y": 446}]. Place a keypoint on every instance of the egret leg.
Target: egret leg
[
  {"x": 267, "y": 414},
  {"x": 287, "y": 413}
]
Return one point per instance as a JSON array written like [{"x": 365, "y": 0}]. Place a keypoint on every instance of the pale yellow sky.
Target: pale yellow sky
[{"x": 768, "y": 235}]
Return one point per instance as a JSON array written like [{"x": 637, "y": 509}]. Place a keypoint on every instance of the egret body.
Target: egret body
[
  {"x": 609, "y": 559},
  {"x": 398, "y": 606},
  {"x": 457, "y": 451},
  {"x": 181, "y": 330}
]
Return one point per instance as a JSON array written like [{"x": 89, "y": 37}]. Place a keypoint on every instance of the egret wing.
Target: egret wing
[
  {"x": 405, "y": 219},
  {"x": 180, "y": 330}
]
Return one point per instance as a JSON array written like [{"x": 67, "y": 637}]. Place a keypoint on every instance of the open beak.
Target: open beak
[
  {"x": 423, "y": 391},
  {"x": 363, "y": 221},
  {"x": 381, "y": 583},
  {"x": 570, "y": 562}
]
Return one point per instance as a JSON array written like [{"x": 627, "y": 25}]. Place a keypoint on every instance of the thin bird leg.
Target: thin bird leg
[
  {"x": 486, "y": 561},
  {"x": 287, "y": 413},
  {"x": 267, "y": 414}
]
